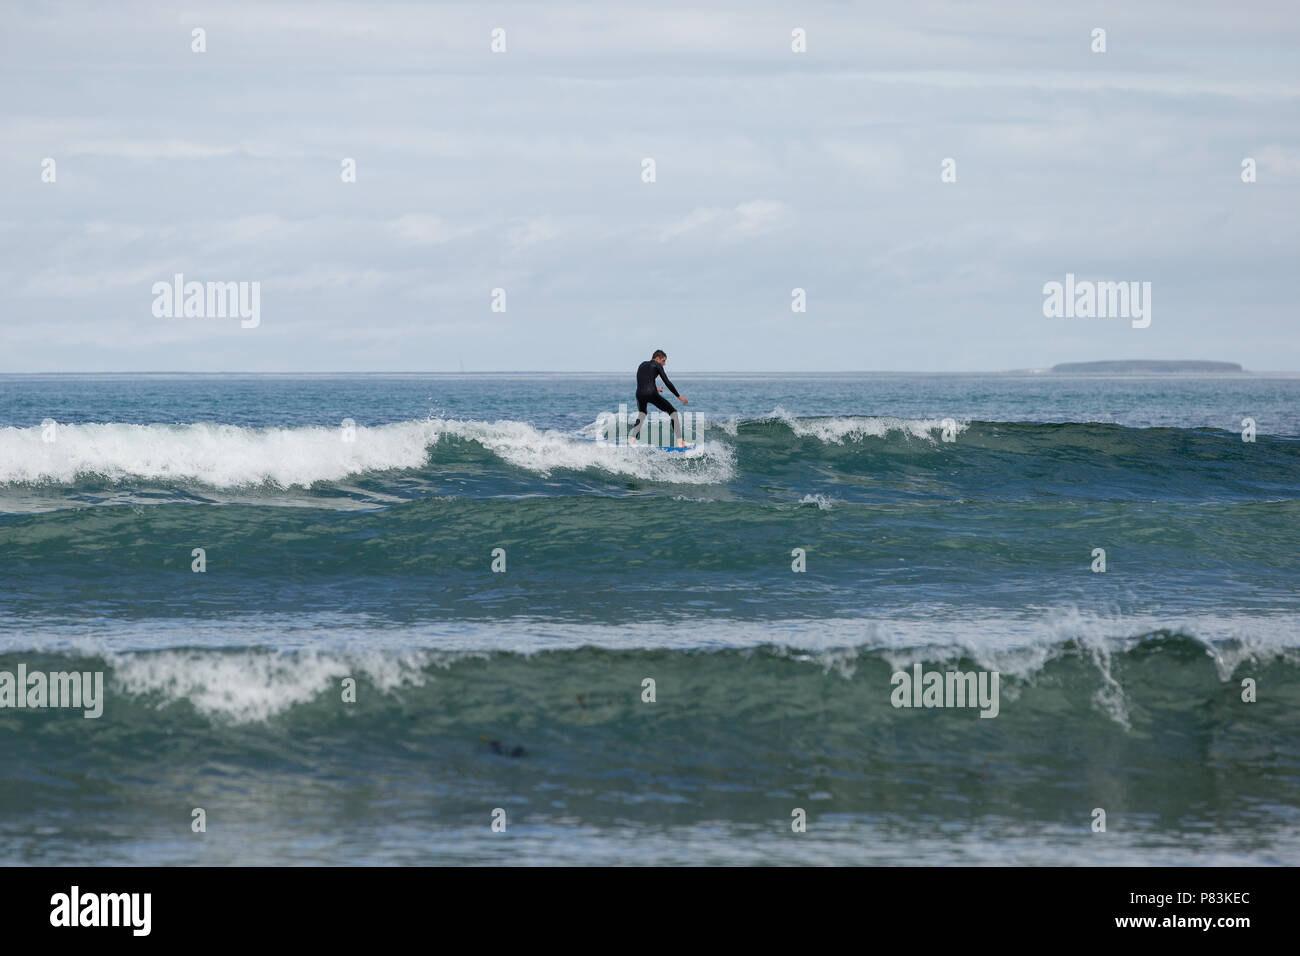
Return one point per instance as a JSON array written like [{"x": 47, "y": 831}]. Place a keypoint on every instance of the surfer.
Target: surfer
[{"x": 647, "y": 393}]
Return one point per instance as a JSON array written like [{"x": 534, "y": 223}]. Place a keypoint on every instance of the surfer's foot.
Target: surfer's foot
[{"x": 632, "y": 441}]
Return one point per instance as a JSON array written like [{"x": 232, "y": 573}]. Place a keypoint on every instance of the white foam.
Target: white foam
[
  {"x": 838, "y": 430},
  {"x": 227, "y": 456},
  {"x": 543, "y": 452},
  {"x": 244, "y": 687},
  {"x": 222, "y": 456},
  {"x": 821, "y": 501},
  {"x": 224, "y": 679}
]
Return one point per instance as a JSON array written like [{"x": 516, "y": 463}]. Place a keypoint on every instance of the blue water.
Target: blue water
[{"x": 825, "y": 532}]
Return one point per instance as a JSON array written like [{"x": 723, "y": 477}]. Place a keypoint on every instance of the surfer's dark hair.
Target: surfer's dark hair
[{"x": 659, "y": 352}]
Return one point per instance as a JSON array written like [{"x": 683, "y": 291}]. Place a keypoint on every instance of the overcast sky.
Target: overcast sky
[{"x": 522, "y": 170}]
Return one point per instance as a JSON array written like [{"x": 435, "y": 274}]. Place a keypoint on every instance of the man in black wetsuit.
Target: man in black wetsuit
[{"x": 647, "y": 393}]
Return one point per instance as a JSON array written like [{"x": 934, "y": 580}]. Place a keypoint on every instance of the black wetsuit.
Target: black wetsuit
[{"x": 647, "y": 393}]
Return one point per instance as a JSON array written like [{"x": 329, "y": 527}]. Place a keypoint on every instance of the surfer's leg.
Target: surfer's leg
[
  {"x": 661, "y": 403},
  {"x": 640, "y": 417}
]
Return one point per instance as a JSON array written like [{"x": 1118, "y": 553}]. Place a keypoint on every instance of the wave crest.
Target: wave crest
[{"x": 229, "y": 456}]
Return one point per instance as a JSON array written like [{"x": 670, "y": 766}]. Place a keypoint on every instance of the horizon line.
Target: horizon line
[{"x": 553, "y": 372}]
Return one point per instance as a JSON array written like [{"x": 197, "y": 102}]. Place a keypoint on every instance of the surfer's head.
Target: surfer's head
[{"x": 660, "y": 356}]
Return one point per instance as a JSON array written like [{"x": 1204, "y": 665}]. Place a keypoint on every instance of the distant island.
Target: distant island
[{"x": 1147, "y": 365}]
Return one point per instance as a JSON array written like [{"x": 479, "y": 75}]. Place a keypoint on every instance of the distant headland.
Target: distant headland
[{"x": 1147, "y": 365}]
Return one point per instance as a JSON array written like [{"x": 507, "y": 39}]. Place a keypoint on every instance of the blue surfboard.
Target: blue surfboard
[{"x": 690, "y": 447}]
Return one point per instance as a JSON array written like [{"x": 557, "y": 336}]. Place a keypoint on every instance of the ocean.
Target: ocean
[{"x": 457, "y": 630}]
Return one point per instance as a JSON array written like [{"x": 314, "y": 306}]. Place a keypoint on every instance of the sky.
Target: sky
[{"x": 524, "y": 171}]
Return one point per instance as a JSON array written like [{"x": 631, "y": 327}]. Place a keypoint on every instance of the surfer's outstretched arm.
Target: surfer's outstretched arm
[{"x": 680, "y": 396}]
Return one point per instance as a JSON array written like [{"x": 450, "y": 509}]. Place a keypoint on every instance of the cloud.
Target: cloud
[
  {"x": 1278, "y": 164},
  {"x": 151, "y": 149},
  {"x": 415, "y": 229},
  {"x": 748, "y": 220},
  {"x": 522, "y": 171}
]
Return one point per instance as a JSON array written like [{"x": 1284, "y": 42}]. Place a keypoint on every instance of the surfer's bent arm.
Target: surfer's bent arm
[{"x": 666, "y": 382}]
